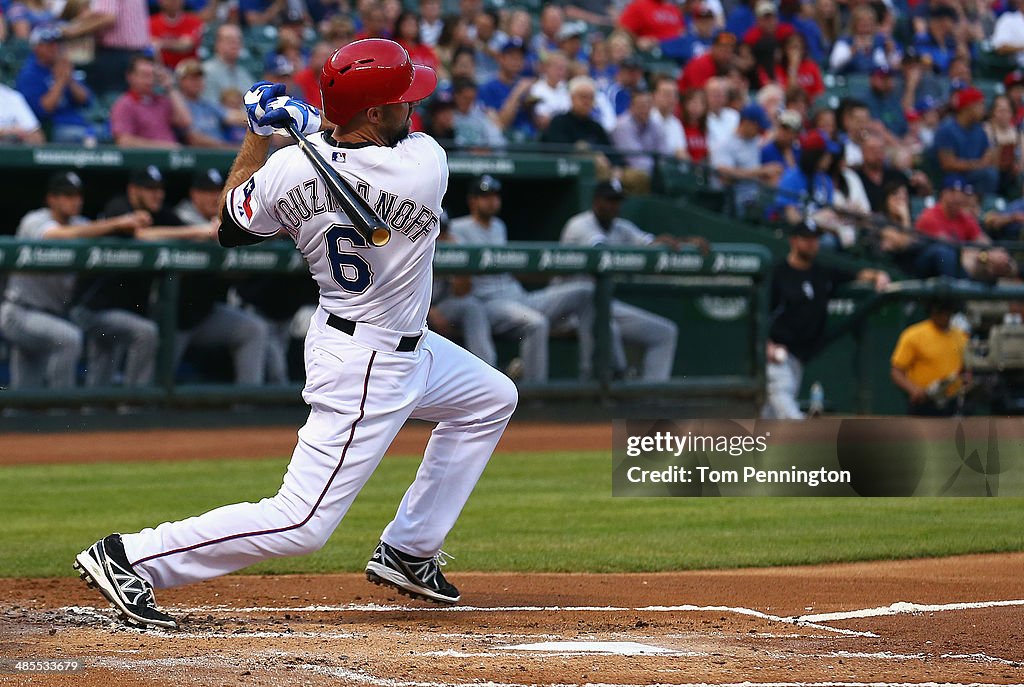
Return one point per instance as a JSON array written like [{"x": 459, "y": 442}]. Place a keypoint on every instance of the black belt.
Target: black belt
[{"x": 406, "y": 345}]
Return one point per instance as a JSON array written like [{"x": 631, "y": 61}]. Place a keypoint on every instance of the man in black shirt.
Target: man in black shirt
[
  {"x": 800, "y": 292},
  {"x": 579, "y": 128}
]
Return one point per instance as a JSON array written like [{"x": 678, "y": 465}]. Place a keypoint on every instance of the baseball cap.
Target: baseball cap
[
  {"x": 966, "y": 97},
  {"x": 279, "y": 65},
  {"x": 1014, "y": 78},
  {"x": 483, "y": 185},
  {"x": 956, "y": 182},
  {"x": 64, "y": 183},
  {"x": 572, "y": 29},
  {"x": 148, "y": 177},
  {"x": 208, "y": 180},
  {"x": 513, "y": 43},
  {"x": 815, "y": 140},
  {"x": 958, "y": 85},
  {"x": 925, "y": 104},
  {"x": 882, "y": 70},
  {"x": 807, "y": 229},
  {"x": 443, "y": 99},
  {"x": 701, "y": 11},
  {"x": 631, "y": 62},
  {"x": 764, "y": 8},
  {"x": 725, "y": 38},
  {"x": 45, "y": 34},
  {"x": 756, "y": 113},
  {"x": 189, "y": 67},
  {"x": 791, "y": 119},
  {"x": 610, "y": 190}
]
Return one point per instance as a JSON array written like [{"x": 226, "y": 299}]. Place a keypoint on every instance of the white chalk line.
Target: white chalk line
[
  {"x": 361, "y": 677},
  {"x": 535, "y": 655},
  {"x": 811, "y": 621},
  {"x": 985, "y": 658},
  {"x": 181, "y": 634},
  {"x": 904, "y": 607},
  {"x": 891, "y": 656},
  {"x": 379, "y": 608},
  {"x": 364, "y": 678}
]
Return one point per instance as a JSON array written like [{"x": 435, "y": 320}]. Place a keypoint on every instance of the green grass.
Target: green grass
[{"x": 530, "y": 512}]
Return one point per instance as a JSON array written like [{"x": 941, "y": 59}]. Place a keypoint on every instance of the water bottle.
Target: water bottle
[{"x": 817, "y": 406}]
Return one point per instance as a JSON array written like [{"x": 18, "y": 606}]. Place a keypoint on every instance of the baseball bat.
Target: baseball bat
[{"x": 364, "y": 219}]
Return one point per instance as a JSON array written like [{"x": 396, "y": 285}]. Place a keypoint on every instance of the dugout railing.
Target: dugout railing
[{"x": 727, "y": 270}]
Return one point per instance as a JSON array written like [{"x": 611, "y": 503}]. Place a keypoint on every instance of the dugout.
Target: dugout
[{"x": 541, "y": 191}]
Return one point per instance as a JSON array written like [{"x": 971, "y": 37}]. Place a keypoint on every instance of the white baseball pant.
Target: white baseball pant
[
  {"x": 783, "y": 385},
  {"x": 361, "y": 391}
]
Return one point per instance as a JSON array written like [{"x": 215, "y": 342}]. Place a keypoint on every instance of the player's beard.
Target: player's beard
[
  {"x": 401, "y": 134},
  {"x": 398, "y": 130}
]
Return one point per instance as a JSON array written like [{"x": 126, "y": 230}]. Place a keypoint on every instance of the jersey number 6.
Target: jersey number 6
[{"x": 350, "y": 270}]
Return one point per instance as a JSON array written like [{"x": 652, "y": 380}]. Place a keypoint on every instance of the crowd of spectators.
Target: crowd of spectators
[
  {"x": 876, "y": 120},
  {"x": 171, "y": 72}
]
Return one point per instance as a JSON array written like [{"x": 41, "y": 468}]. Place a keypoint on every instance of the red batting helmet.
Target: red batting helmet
[{"x": 369, "y": 73}]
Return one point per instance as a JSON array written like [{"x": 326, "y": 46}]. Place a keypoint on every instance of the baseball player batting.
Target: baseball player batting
[{"x": 371, "y": 363}]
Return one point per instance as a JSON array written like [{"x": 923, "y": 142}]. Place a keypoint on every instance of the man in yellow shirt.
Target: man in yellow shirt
[{"x": 928, "y": 362}]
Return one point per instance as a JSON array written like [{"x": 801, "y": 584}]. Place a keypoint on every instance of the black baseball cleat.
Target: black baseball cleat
[
  {"x": 105, "y": 566},
  {"x": 419, "y": 578}
]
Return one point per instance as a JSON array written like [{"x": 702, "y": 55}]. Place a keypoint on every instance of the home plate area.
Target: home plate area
[{"x": 827, "y": 626}]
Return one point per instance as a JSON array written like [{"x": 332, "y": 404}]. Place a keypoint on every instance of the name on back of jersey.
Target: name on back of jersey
[{"x": 311, "y": 198}]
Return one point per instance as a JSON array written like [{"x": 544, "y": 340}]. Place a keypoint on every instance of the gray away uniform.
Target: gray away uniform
[
  {"x": 655, "y": 333},
  {"x": 470, "y": 315},
  {"x": 528, "y": 315},
  {"x": 45, "y": 345}
]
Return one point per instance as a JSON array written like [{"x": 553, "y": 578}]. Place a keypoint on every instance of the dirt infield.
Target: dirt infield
[
  {"x": 834, "y": 624},
  {"x": 948, "y": 621}
]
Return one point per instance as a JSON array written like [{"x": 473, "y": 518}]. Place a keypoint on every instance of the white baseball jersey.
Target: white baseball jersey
[{"x": 387, "y": 286}]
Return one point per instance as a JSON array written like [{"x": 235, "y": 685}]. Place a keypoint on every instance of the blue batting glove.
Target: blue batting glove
[
  {"x": 283, "y": 109},
  {"x": 256, "y": 100}
]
